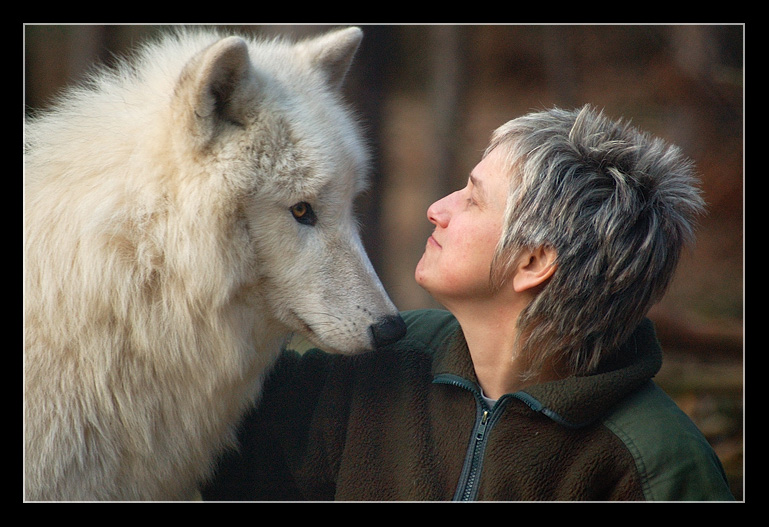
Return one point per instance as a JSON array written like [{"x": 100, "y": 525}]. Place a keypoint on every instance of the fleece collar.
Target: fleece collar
[{"x": 575, "y": 401}]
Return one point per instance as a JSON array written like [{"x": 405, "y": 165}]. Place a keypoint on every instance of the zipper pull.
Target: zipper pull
[{"x": 482, "y": 426}]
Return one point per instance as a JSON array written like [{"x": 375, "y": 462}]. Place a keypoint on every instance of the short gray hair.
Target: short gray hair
[{"x": 616, "y": 204}]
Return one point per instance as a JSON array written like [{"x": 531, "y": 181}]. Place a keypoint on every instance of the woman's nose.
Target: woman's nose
[{"x": 438, "y": 212}]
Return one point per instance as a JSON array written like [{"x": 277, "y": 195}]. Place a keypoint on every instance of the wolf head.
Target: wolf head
[{"x": 267, "y": 122}]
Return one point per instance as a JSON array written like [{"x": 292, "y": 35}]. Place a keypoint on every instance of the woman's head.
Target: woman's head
[
  {"x": 615, "y": 204},
  {"x": 468, "y": 224}
]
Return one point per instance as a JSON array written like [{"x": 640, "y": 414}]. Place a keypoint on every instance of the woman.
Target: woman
[{"x": 536, "y": 383}]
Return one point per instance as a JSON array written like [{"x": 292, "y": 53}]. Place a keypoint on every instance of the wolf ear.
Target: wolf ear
[
  {"x": 214, "y": 88},
  {"x": 332, "y": 53}
]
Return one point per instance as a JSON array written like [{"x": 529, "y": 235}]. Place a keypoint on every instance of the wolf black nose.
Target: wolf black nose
[{"x": 388, "y": 330}]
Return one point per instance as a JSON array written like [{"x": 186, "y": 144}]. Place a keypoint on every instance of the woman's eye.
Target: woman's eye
[{"x": 303, "y": 213}]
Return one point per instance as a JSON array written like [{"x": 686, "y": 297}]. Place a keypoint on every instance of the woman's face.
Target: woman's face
[{"x": 468, "y": 224}]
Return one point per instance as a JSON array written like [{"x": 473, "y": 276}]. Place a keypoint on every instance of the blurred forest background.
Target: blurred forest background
[{"x": 430, "y": 96}]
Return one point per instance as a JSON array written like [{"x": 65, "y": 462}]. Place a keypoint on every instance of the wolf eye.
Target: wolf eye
[{"x": 303, "y": 213}]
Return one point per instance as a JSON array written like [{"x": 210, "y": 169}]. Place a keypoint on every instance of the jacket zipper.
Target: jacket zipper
[
  {"x": 467, "y": 487},
  {"x": 468, "y": 490}
]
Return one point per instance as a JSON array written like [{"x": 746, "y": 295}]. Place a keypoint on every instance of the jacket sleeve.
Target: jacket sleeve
[
  {"x": 273, "y": 438},
  {"x": 674, "y": 460}
]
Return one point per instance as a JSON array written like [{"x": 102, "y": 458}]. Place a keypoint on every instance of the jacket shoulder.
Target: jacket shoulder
[
  {"x": 674, "y": 460},
  {"x": 430, "y": 328}
]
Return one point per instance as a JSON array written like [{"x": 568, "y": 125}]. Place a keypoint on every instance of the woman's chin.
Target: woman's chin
[{"x": 420, "y": 273}]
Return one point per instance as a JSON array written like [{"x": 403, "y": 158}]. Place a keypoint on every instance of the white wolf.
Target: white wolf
[{"x": 182, "y": 214}]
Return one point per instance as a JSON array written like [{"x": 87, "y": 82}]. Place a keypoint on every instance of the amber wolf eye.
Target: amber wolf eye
[{"x": 303, "y": 213}]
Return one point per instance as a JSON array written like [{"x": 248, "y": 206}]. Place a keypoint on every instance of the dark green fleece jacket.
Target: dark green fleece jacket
[{"x": 408, "y": 422}]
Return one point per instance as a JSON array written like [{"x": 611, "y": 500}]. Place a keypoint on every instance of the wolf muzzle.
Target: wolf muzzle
[{"x": 388, "y": 330}]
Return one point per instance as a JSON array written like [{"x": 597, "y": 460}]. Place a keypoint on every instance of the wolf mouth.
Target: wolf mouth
[
  {"x": 305, "y": 327},
  {"x": 309, "y": 333}
]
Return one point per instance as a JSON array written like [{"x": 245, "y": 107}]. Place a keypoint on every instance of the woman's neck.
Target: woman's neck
[{"x": 490, "y": 332}]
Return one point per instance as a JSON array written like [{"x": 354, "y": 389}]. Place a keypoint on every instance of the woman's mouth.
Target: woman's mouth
[{"x": 432, "y": 241}]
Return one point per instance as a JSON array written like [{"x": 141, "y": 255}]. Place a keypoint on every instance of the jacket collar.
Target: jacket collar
[{"x": 577, "y": 400}]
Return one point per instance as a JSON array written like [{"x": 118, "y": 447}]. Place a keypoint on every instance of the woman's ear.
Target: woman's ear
[{"x": 534, "y": 268}]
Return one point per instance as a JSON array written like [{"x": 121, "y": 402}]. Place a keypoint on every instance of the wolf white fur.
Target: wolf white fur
[{"x": 164, "y": 263}]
